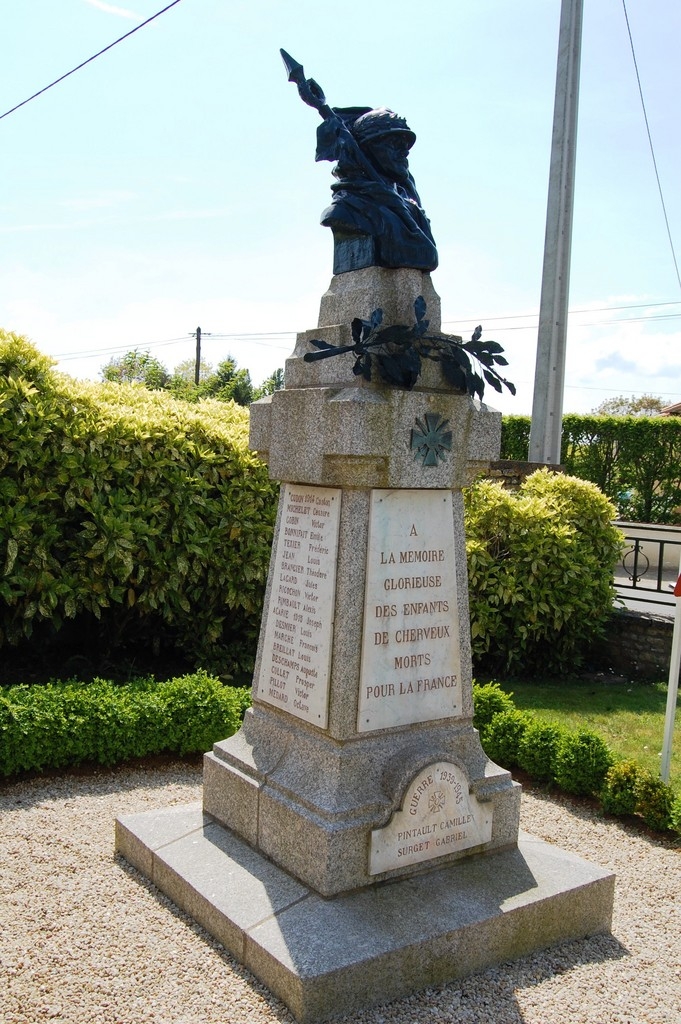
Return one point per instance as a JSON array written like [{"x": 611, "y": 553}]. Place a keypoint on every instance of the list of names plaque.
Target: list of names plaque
[
  {"x": 411, "y": 666},
  {"x": 295, "y": 665}
]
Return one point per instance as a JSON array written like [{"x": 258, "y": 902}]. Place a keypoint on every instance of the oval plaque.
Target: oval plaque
[{"x": 439, "y": 815}]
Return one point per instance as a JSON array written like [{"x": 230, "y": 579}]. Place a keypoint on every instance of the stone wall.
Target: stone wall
[
  {"x": 637, "y": 645},
  {"x": 511, "y": 472}
]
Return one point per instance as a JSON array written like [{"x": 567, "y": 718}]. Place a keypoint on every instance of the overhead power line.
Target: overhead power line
[
  {"x": 593, "y": 387},
  {"x": 592, "y": 309},
  {"x": 590, "y": 323},
  {"x": 650, "y": 143},
  {"x": 285, "y": 337},
  {"x": 89, "y": 60},
  {"x": 111, "y": 350}
]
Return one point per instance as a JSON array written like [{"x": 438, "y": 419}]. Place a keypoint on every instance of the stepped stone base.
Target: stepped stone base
[{"x": 321, "y": 956}]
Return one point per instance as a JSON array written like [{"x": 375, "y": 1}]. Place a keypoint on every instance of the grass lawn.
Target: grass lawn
[{"x": 629, "y": 716}]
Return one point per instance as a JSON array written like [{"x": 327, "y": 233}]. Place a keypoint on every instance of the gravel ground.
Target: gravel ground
[{"x": 84, "y": 939}]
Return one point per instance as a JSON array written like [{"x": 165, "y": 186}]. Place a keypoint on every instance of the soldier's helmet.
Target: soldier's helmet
[{"x": 380, "y": 122}]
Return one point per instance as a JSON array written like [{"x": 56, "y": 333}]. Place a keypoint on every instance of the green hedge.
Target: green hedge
[
  {"x": 635, "y": 460},
  {"x": 129, "y": 512},
  {"x": 540, "y": 570},
  {"x": 578, "y": 762},
  {"x": 67, "y": 723}
]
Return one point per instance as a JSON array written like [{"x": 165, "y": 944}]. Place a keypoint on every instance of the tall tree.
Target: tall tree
[
  {"x": 273, "y": 383},
  {"x": 187, "y": 370},
  {"x": 228, "y": 382},
  {"x": 137, "y": 367},
  {"x": 631, "y": 405},
  {"x": 225, "y": 383}
]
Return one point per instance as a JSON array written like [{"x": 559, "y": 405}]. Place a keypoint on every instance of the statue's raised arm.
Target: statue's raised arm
[
  {"x": 309, "y": 91},
  {"x": 375, "y": 213}
]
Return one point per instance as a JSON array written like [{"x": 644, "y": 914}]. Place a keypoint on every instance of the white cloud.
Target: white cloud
[
  {"x": 98, "y": 200},
  {"x": 119, "y": 12}
]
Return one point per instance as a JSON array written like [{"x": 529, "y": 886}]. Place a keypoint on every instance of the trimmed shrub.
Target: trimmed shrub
[
  {"x": 582, "y": 763},
  {"x": 618, "y": 795},
  {"x": 66, "y": 723},
  {"x": 503, "y": 736},
  {"x": 540, "y": 568},
  {"x": 654, "y": 801},
  {"x": 488, "y": 700},
  {"x": 635, "y": 460},
  {"x": 128, "y": 514},
  {"x": 538, "y": 748},
  {"x": 675, "y": 816}
]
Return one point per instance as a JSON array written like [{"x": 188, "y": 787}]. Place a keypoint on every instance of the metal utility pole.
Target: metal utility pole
[{"x": 549, "y": 377}]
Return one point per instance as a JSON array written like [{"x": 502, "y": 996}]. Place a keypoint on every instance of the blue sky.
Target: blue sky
[{"x": 171, "y": 183}]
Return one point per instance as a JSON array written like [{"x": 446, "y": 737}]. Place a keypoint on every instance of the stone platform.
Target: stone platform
[{"x": 324, "y": 957}]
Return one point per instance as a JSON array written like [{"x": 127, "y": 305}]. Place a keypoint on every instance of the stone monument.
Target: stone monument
[{"x": 355, "y": 843}]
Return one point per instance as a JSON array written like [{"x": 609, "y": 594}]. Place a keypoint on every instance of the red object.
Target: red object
[{"x": 677, "y": 588}]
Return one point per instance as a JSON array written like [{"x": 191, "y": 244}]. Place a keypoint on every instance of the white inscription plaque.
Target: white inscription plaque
[
  {"x": 411, "y": 666},
  {"x": 294, "y": 671},
  {"x": 439, "y": 816}
]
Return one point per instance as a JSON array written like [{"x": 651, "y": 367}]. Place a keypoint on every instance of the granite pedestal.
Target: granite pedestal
[{"x": 355, "y": 842}]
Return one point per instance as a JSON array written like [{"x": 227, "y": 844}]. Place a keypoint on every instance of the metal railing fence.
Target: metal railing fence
[{"x": 649, "y": 565}]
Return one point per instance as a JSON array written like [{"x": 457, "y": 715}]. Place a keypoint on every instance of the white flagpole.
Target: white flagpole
[{"x": 673, "y": 686}]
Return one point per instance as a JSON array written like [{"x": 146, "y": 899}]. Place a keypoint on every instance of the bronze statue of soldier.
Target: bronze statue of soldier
[{"x": 375, "y": 213}]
